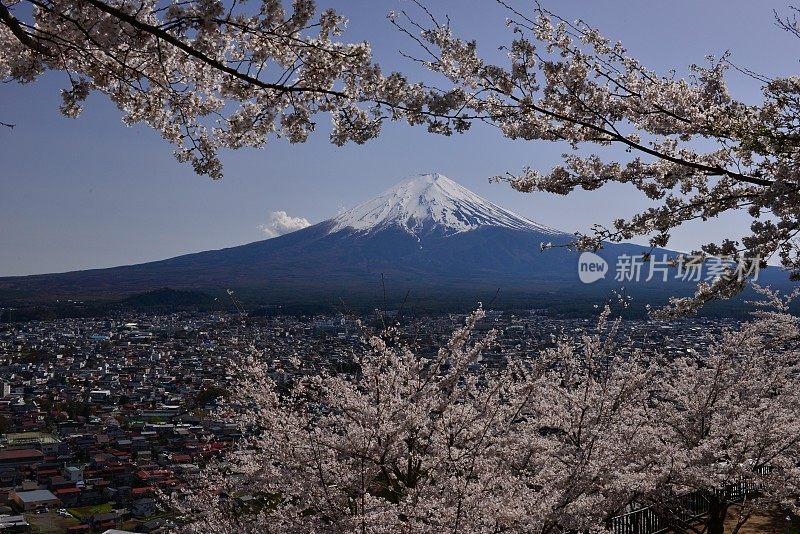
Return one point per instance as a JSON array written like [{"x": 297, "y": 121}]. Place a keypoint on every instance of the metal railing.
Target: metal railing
[{"x": 646, "y": 520}]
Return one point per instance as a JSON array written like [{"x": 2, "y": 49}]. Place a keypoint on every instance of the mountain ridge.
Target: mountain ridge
[{"x": 427, "y": 235}]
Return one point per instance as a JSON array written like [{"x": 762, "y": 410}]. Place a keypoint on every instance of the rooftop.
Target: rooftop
[
  {"x": 36, "y": 496},
  {"x": 20, "y": 454},
  {"x": 25, "y": 438},
  {"x": 9, "y": 521}
]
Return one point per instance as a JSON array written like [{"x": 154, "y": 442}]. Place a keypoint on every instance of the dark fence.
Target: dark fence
[{"x": 647, "y": 520}]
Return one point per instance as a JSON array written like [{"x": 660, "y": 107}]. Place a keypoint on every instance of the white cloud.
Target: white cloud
[{"x": 281, "y": 223}]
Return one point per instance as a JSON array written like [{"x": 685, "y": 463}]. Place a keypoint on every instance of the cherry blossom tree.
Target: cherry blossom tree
[
  {"x": 419, "y": 445},
  {"x": 565, "y": 442},
  {"x": 401, "y": 446},
  {"x": 728, "y": 421},
  {"x": 207, "y": 74},
  {"x": 692, "y": 149}
]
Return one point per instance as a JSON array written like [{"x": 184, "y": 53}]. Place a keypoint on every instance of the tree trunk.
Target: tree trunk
[{"x": 716, "y": 517}]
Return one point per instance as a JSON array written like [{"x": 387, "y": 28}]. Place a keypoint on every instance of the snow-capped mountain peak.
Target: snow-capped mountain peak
[{"x": 428, "y": 202}]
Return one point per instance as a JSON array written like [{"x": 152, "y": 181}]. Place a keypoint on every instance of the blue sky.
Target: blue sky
[{"x": 91, "y": 192}]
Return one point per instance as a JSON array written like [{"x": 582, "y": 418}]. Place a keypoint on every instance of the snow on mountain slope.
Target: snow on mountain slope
[{"x": 431, "y": 202}]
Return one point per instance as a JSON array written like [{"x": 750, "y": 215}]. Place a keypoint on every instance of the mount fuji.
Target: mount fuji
[
  {"x": 427, "y": 237},
  {"x": 430, "y": 203}
]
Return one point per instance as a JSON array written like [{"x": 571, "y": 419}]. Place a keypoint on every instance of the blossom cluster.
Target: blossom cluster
[{"x": 207, "y": 74}]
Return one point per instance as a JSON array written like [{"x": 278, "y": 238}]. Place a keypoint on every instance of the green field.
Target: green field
[{"x": 85, "y": 512}]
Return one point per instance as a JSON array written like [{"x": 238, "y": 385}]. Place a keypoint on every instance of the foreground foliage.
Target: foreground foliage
[
  {"x": 207, "y": 74},
  {"x": 564, "y": 442}
]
